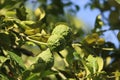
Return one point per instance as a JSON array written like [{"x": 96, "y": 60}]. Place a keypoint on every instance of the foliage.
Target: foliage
[{"x": 44, "y": 44}]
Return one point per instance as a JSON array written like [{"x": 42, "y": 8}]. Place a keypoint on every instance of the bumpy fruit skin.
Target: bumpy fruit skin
[
  {"x": 63, "y": 30},
  {"x": 56, "y": 42}
]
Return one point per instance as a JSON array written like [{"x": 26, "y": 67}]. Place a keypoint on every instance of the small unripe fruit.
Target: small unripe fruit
[
  {"x": 80, "y": 75},
  {"x": 37, "y": 12},
  {"x": 56, "y": 42},
  {"x": 95, "y": 35},
  {"x": 91, "y": 39},
  {"x": 63, "y": 30},
  {"x": 100, "y": 41}
]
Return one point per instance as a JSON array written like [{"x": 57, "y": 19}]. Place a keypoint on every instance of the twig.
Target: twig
[{"x": 38, "y": 42}]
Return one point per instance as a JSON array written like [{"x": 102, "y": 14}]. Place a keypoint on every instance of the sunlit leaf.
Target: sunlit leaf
[
  {"x": 17, "y": 59},
  {"x": 30, "y": 46},
  {"x": 44, "y": 61},
  {"x": 28, "y": 22},
  {"x": 30, "y": 14},
  {"x": 46, "y": 56},
  {"x": 76, "y": 56},
  {"x": 100, "y": 63},
  {"x": 3, "y": 77},
  {"x": 49, "y": 72},
  {"x": 39, "y": 13},
  {"x": 108, "y": 60},
  {"x": 117, "y": 74},
  {"x": 118, "y": 1},
  {"x": 92, "y": 64},
  {"x": 2, "y": 60},
  {"x": 22, "y": 25},
  {"x": 43, "y": 32},
  {"x": 109, "y": 49},
  {"x": 34, "y": 76},
  {"x": 29, "y": 31},
  {"x": 79, "y": 50}
]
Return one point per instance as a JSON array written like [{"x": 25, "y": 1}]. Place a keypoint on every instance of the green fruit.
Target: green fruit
[
  {"x": 95, "y": 35},
  {"x": 80, "y": 75},
  {"x": 91, "y": 39},
  {"x": 56, "y": 42},
  {"x": 39, "y": 13},
  {"x": 62, "y": 30},
  {"x": 100, "y": 41}
]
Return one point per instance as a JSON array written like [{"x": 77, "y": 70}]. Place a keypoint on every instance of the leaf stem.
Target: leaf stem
[{"x": 38, "y": 42}]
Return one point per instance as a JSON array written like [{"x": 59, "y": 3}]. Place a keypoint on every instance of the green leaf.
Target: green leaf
[
  {"x": 79, "y": 50},
  {"x": 34, "y": 76},
  {"x": 49, "y": 72},
  {"x": 29, "y": 22},
  {"x": 2, "y": 60},
  {"x": 92, "y": 64},
  {"x": 39, "y": 13},
  {"x": 21, "y": 12},
  {"x": 118, "y": 1},
  {"x": 47, "y": 57},
  {"x": 5, "y": 40},
  {"x": 17, "y": 59},
  {"x": 76, "y": 56},
  {"x": 32, "y": 47},
  {"x": 117, "y": 75},
  {"x": 26, "y": 74},
  {"x": 91, "y": 39},
  {"x": 3, "y": 77},
  {"x": 100, "y": 63},
  {"x": 98, "y": 23},
  {"x": 22, "y": 25},
  {"x": 44, "y": 61}
]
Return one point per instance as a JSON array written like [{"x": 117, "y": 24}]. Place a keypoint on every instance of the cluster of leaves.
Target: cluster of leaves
[
  {"x": 44, "y": 44},
  {"x": 109, "y": 10}
]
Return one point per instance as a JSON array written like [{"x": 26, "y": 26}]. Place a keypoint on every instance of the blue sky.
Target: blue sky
[{"x": 88, "y": 16}]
